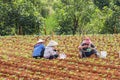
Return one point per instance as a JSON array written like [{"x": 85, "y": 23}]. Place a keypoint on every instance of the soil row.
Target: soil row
[{"x": 57, "y": 66}]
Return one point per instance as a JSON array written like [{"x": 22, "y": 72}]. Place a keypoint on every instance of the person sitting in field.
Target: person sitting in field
[
  {"x": 50, "y": 50},
  {"x": 87, "y": 48},
  {"x": 38, "y": 49}
]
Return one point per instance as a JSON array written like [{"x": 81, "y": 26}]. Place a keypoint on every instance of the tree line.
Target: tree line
[{"x": 37, "y": 17}]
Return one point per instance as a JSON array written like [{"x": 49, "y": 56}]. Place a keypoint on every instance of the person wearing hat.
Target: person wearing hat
[
  {"x": 38, "y": 49},
  {"x": 87, "y": 48},
  {"x": 50, "y": 51}
]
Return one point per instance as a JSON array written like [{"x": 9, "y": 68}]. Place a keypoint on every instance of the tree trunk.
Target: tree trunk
[
  {"x": 19, "y": 31},
  {"x": 45, "y": 32},
  {"x": 115, "y": 30},
  {"x": 75, "y": 25}
]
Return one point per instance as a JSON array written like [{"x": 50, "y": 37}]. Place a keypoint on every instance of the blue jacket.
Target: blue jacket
[{"x": 37, "y": 49}]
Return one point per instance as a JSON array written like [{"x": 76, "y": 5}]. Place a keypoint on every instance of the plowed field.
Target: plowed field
[{"x": 16, "y": 62}]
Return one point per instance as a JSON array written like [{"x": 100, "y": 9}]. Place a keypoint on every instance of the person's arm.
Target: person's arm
[
  {"x": 53, "y": 52},
  {"x": 92, "y": 46},
  {"x": 82, "y": 46}
]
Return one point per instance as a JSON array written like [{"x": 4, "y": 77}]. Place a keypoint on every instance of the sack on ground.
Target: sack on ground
[
  {"x": 62, "y": 56},
  {"x": 103, "y": 54}
]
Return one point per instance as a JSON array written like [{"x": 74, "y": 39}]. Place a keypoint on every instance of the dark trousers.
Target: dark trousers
[
  {"x": 36, "y": 57},
  {"x": 53, "y": 56},
  {"x": 88, "y": 54}
]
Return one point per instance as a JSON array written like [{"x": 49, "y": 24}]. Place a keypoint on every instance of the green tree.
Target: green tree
[
  {"x": 4, "y": 28},
  {"x": 22, "y": 16},
  {"x": 74, "y": 15},
  {"x": 112, "y": 23},
  {"x": 117, "y": 2},
  {"x": 101, "y": 3}
]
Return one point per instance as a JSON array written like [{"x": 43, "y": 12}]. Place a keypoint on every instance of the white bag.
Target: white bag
[
  {"x": 103, "y": 54},
  {"x": 62, "y": 56}
]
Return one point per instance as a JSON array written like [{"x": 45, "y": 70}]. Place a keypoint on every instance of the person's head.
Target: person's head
[
  {"x": 52, "y": 43},
  {"x": 40, "y": 41},
  {"x": 87, "y": 40}
]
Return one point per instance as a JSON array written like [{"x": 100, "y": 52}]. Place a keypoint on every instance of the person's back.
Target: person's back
[
  {"x": 38, "y": 49},
  {"x": 50, "y": 52}
]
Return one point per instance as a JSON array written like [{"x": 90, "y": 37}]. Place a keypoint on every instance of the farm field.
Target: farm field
[{"x": 16, "y": 62}]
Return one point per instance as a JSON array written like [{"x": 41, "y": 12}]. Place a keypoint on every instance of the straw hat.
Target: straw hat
[
  {"x": 40, "y": 40},
  {"x": 52, "y": 43}
]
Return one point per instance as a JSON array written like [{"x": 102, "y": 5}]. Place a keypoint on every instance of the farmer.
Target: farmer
[
  {"x": 50, "y": 50},
  {"x": 87, "y": 48},
  {"x": 38, "y": 49}
]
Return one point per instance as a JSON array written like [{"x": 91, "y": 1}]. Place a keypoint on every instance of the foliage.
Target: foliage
[
  {"x": 73, "y": 15},
  {"x": 24, "y": 17},
  {"x": 80, "y": 17},
  {"x": 101, "y": 3},
  {"x": 50, "y": 24},
  {"x": 113, "y": 23},
  {"x": 117, "y": 2}
]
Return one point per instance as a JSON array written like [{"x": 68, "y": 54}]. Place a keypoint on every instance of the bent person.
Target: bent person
[
  {"x": 50, "y": 51},
  {"x": 38, "y": 49},
  {"x": 87, "y": 48}
]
